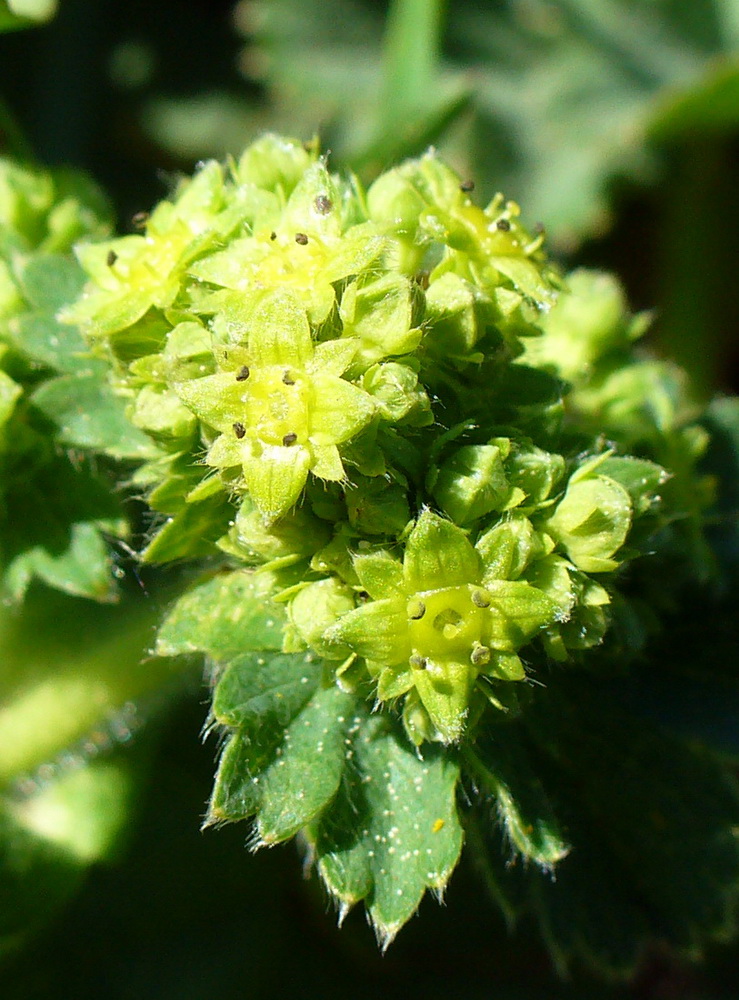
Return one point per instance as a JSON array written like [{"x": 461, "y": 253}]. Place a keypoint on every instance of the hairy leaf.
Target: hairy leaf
[
  {"x": 228, "y": 614},
  {"x": 392, "y": 831}
]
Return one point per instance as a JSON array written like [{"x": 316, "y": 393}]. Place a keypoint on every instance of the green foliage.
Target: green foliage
[
  {"x": 431, "y": 471},
  {"x": 55, "y": 506},
  {"x": 555, "y": 99},
  {"x": 458, "y": 529}
]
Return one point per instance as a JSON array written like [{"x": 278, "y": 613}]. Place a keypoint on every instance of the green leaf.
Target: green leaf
[
  {"x": 265, "y": 689},
  {"x": 54, "y": 526},
  {"x": 392, "y": 831},
  {"x": 41, "y": 338},
  {"x": 82, "y": 568},
  {"x": 566, "y": 96},
  {"x": 230, "y": 613},
  {"x": 72, "y": 670},
  {"x": 501, "y": 768},
  {"x": 652, "y": 824},
  {"x": 50, "y": 281},
  {"x": 588, "y": 912},
  {"x": 285, "y": 762},
  {"x": 88, "y": 414},
  {"x": 410, "y": 58},
  {"x": 192, "y": 532}
]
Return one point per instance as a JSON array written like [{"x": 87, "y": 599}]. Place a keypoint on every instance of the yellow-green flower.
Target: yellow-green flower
[
  {"x": 304, "y": 249},
  {"x": 132, "y": 274},
  {"x": 281, "y": 405},
  {"x": 439, "y": 620}
]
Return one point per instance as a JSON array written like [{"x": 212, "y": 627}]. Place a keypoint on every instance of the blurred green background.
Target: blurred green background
[{"x": 615, "y": 123}]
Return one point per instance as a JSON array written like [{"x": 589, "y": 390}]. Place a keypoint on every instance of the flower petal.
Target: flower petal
[
  {"x": 219, "y": 400},
  {"x": 518, "y": 611},
  {"x": 438, "y": 554},
  {"x": 445, "y": 687},
  {"x": 395, "y": 681},
  {"x": 279, "y": 333},
  {"x": 327, "y": 463},
  {"x": 377, "y": 630},
  {"x": 339, "y": 410},
  {"x": 275, "y": 477},
  {"x": 333, "y": 357},
  {"x": 380, "y": 574}
]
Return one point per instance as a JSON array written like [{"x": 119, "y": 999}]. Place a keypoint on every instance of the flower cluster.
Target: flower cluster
[{"x": 364, "y": 393}]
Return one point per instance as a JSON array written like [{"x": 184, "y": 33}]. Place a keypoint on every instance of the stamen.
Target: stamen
[
  {"x": 416, "y": 610},
  {"x": 480, "y": 599},
  {"x": 243, "y": 374},
  {"x": 480, "y": 655}
]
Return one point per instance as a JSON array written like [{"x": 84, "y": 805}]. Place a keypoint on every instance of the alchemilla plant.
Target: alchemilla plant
[{"x": 443, "y": 504}]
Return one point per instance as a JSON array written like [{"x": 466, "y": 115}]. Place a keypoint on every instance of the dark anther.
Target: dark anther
[
  {"x": 111, "y": 258},
  {"x": 239, "y": 430},
  {"x": 538, "y": 228},
  {"x": 421, "y": 278},
  {"x": 418, "y": 611},
  {"x": 289, "y": 439},
  {"x": 273, "y": 235},
  {"x": 323, "y": 204},
  {"x": 503, "y": 225},
  {"x": 301, "y": 238},
  {"x": 480, "y": 599},
  {"x": 140, "y": 219},
  {"x": 288, "y": 379},
  {"x": 243, "y": 374},
  {"x": 480, "y": 655},
  {"x": 418, "y": 662},
  {"x": 467, "y": 186}
]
